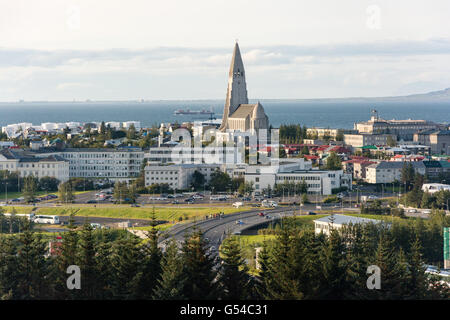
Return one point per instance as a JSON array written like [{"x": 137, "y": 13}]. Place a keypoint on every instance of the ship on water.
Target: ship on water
[{"x": 194, "y": 112}]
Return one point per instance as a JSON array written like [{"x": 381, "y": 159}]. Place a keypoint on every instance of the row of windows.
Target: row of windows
[
  {"x": 28, "y": 165},
  {"x": 163, "y": 178},
  {"x": 101, "y": 155},
  {"x": 306, "y": 178}
]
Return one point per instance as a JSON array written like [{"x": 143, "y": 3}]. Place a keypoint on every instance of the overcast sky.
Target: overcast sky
[{"x": 181, "y": 49}]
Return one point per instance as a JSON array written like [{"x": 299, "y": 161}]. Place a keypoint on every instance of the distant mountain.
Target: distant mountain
[{"x": 433, "y": 96}]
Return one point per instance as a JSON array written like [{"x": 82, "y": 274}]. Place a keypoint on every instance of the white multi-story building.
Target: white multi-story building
[
  {"x": 121, "y": 164},
  {"x": 318, "y": 181},
  {"x": 177, "y": 176},
  {"x": 390, "y": 171},
  {"x": 404, "y": 129},
  {"x": 137, "y": 125},
  {"x": 49, "y": 166},
  {"x": 195, "y": 155}
]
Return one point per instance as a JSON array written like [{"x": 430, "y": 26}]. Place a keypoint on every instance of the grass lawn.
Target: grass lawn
[
  {"x": 169, "y": 214},
  {"x": 14, "y": 195},
  {"x": 255, "y": 240},
  {"x": 160, "y": 227}
]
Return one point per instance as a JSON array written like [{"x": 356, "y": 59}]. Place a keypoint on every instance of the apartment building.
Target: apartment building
[
  {"x": 194, "y": 155},
  {"x": 365, "y": 139},
  {"x": 50, "y": 166},
  {"x": 177, "y": 176},
  {"x": 390, "y": 171},
  {"x": 121, "y": 164},
  {"x": 437, "y": 140}
]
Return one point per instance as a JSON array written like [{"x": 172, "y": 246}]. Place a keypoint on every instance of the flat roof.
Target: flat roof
[{"x": 343, "y": 219}]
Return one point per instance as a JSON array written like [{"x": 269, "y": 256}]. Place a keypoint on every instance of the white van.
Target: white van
[
  {"x": 238, "y": 204},
  {"x": 267, "y": 203}
]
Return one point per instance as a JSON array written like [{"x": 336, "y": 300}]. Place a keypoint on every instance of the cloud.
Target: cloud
[
  {"x": 335, "y": 70},
  {"x": 72, "y": 85},
  {"x": 218, "y": 56}
]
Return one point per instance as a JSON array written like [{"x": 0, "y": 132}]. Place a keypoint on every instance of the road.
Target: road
[{"x": 216, "y": 229}]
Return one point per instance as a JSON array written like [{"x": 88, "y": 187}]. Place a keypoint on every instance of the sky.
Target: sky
[{"x": 176, "y": 49}]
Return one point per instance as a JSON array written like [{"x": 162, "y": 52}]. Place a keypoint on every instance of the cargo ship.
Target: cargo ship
[{"x": 193, "y": 112}]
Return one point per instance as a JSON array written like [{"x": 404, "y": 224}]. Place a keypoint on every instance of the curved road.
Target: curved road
[{"x": 216, "y": 229}]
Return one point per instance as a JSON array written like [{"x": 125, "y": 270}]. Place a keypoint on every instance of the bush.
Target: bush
[{"x": 331, "y": 199}]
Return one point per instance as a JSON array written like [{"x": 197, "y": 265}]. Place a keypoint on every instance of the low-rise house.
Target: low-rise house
[
  {"x": 337, "y": 221},
  {"x": 435, "y": 187},
  {"x": 357, "y": 167}
]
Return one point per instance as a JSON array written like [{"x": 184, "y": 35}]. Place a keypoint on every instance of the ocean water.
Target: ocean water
[{"x": 310, "y": 113}]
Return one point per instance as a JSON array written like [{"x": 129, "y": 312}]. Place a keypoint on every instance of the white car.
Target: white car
[{"x": 372, "y": 197}]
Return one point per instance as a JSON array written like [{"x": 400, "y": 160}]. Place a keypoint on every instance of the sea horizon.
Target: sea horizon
[{"x": 332, "y": 114}]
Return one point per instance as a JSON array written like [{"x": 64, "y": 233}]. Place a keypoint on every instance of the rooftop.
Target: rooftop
[{"x": 343, "y": 219}]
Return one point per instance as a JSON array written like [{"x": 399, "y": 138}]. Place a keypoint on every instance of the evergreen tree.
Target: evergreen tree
[
  {"x": 334, "y": 267},
  {"x": 392, "y": 272},
  {"x": 263, "y": 280},
  {"x": 283, "y": 282},
  {"x": 198, "y": 273},
  {"x": 125, "y": 258},
  {"x": 233, "y": 275},
  {"x": 417, "y": 281},
  {"x": 68, "y": 257},
  {"x": 150, "y": 272},
  {"x": 8, "y": 268},
  {"x": 29, "y": 188},
  {"x": 104, "y": 269},
  {"x": 87, "y": 263},
  {"x": 170, "y": 285},
  {"x": 31, "y": 267}
]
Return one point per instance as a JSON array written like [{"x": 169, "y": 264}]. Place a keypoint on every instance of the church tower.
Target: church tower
[{"x": 237, "y": 87}]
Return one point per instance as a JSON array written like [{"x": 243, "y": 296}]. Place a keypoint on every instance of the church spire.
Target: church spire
[{"x": 237, "y": 87}]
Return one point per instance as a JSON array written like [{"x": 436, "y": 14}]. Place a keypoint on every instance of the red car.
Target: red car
[{"x": 261, "y": 214}]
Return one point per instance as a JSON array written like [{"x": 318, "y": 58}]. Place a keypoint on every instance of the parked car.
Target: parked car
[
  {"x": 96, "y": 226},
  {"x": 92, "y": 201},
  {"x": 312, "y": 213}
]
